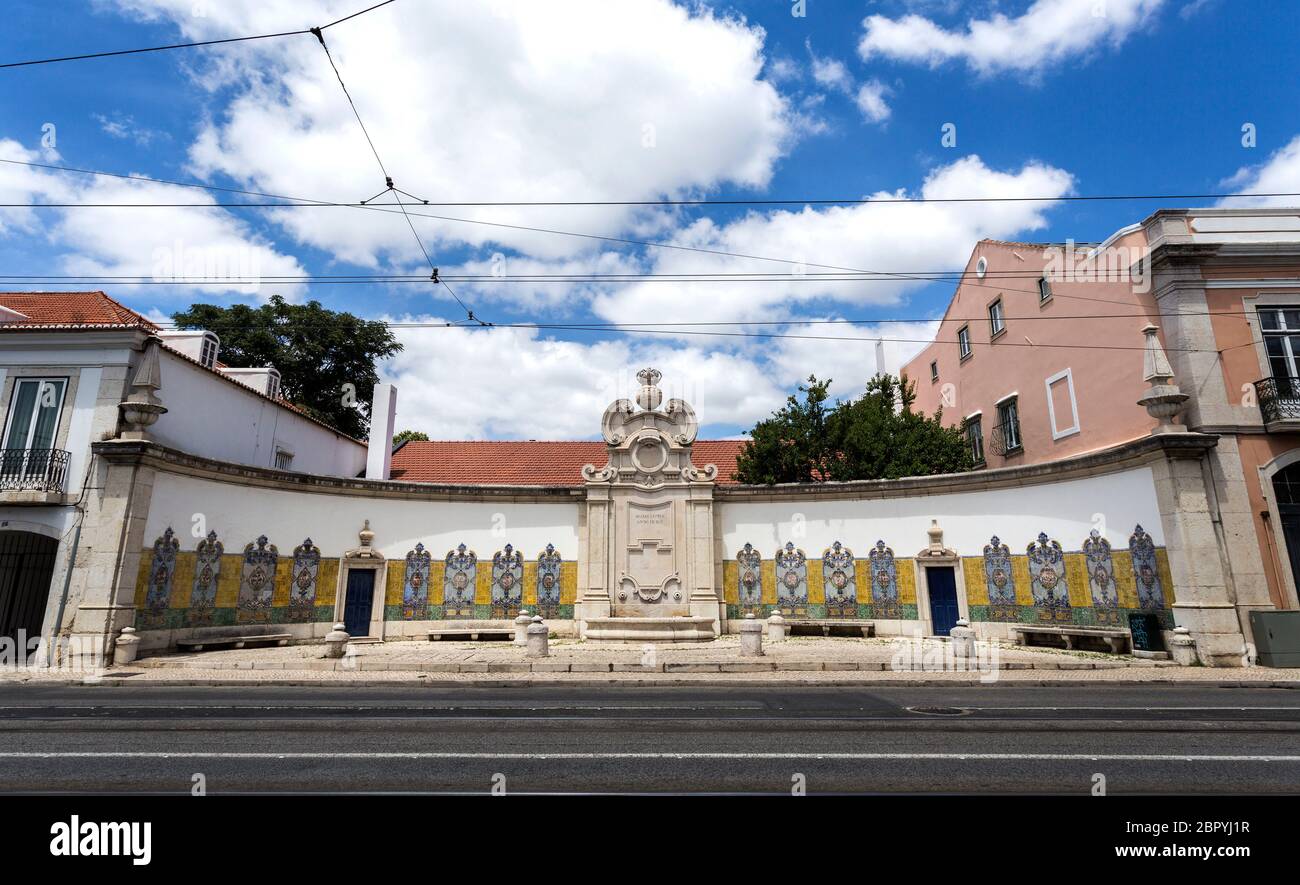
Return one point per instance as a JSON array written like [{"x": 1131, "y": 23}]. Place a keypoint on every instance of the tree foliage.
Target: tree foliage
[
  {"x": 408, "y": 436},
  {"x": 810, "y": 439},
  {"x": 318, "y": 352}
]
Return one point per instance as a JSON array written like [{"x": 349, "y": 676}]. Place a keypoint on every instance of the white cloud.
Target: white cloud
[
  {"x": 152, "y": 242},
  {"x": 509, "y": 100},
  {"x": 871, "y": 101},
  {"x": 124, "y": 127},
  {"x": 24, "y": 185},
  {"x": 1049, "y": 32},
  {"x": 1279, "y": 174},
  {"x": 892, "y": 237},
  {"x": 831, "y": 73},
  {"x": 568, "y": 383}
]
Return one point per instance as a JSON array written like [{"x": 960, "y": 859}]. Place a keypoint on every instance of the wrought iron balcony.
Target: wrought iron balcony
[
  {"x": 1279, "y": 399},
  {"x": 1004, "y": 439},
  {"x": 33, "y": 470}
]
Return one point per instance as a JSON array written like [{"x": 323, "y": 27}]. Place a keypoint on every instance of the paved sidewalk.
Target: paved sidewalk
[{"x": 797, "y": 661}]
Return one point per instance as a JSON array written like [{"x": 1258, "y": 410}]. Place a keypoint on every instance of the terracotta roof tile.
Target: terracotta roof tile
[
  {"x": 71, "y": 309},
  {"x": 530, "y": 463}
]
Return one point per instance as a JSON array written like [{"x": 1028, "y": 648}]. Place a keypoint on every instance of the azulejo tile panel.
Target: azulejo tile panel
[
  {"x": 257, "y": 582},
  {"x": 839, "y": 582},
  {"x": 305, "y": 578},
  {"x": 885, "y": 597},
  {"x": 162, "y": 569},
  {"x": 415, "y": 584},
  {"x": 548, "y": 583},
  {"x": 507, "y": 583},
  {"x": 207, "y": 572},
  {"x": 459, "y": 583},
  {"x": 792, "y": 581},
  {"x": 1048, "y": 586},
  {"x": 747, "y": 584}
]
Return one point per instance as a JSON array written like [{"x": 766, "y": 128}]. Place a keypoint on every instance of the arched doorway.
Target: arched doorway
[
  {"x": 1286, "y": 491},
  {"x": 26, "y": 566}
]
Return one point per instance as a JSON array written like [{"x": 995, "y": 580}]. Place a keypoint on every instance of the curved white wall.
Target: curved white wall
[
  {"x": 192, "y": 507},
  {"x": 1066, "y": 510}
]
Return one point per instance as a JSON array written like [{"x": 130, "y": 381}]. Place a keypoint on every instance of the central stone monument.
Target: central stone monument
[{"x": 649, "y": 527}]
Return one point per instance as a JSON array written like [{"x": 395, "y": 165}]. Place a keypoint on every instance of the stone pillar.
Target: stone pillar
[
  {"x": 538, "y": 639},
  {"x": 336, "y": 642},
  {"x": 963, "y": 640},
  {"x": 1197, "y": 563},
  {"x": 101, "y": 595},
  {"x": 751, "y": 637},
  {"x": 521, "y": 627},
  {"x": 775, "y": 627}
]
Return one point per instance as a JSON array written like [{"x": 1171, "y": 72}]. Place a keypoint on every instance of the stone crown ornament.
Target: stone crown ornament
[{"x": 649, "y": 446}]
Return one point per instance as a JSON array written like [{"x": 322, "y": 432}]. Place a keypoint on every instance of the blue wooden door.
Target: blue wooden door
[
  {"x": 359, "y": 602},
  {"x": 943, "y": 599}
]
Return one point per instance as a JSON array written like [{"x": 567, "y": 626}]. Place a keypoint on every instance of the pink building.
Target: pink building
[{"x": 1037, "y": 349}]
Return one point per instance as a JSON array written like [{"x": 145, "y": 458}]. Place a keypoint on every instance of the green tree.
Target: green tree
[
  {"x": 326, "y": 359},
  {"x": 862, "y": 438},
  {"x": 408, "y": 435}
]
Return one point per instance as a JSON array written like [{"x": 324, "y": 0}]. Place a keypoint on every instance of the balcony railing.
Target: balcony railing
[
  {"x": 1004, "y": 439},
  {"x": 33, "y": 470},
  {"x": 1279, "y": 398}
]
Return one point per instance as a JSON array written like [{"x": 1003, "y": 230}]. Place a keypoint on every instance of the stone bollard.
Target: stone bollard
[
  {"x": 775, "y": 628},
  {"x": 751, "y": 637},
  {"x": 538, "y": 639},
  {"x": 1182, "y": 647},
  {"x": 963, "y": 640},
  {"x": 336, "y": 642},
  {"x": 521, "y": 627},
  {"x": 124, "y": 650}
]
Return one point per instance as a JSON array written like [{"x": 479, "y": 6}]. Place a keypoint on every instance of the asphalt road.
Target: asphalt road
[{"x": 986, "y": 739}]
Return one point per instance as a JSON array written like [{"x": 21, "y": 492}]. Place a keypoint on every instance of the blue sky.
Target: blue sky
[{"x": 501, "y": 100}]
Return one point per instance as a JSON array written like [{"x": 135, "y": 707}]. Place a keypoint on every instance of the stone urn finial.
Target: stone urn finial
[
  {"x": 366, "y": 537},
  {"x": 142, "y": 407},
  {"x": 1163, "y": 400},
  {"x": 649, "y": 396},
  {"x": 936, "y": 537}
]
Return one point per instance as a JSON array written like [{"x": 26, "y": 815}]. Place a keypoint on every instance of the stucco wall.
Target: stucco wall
[{"x": 217, "y": 418}]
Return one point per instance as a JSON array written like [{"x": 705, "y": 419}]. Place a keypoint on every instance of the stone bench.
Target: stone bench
[
  {"x": 204, "y": 643},
  {"x": 473, "y": 634},
  {"x": 1119, "y": 640},
  {"x": 829, "y": 627}
]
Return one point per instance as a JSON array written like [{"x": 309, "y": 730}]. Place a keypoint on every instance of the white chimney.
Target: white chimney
[{"x": 383, "y": 417}]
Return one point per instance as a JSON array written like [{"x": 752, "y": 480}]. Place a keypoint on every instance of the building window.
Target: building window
[
  {"x": 981, "y": 267},
  {"x": 273, "y": 388},
  {"x": 1008, "y": 430},
  {"x": 1281, "y": 327},
  {"x": 997, "y": 322},
  {"x": 1044, "y": 290},
  {"x": 283, "y": 460},
  {"x": 963, "y": 341},
  {"x": 208, "y": 351},
  {"x": 934, "y": 370},
  {"x": 975, "y": 438},
  {"x": 34, "y": 413}
]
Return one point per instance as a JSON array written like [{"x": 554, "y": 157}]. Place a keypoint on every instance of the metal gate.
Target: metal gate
[{"x": 26, "y": 567}]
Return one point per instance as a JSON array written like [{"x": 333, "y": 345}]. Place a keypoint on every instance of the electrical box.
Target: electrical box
[{"x": 1277, "y": 637}]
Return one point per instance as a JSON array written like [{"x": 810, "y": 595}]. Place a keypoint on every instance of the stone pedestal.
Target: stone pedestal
[
  {"x": 751, "y": 637},
  {"x": 538, "y": 639},
  {"x": 1182, "y": 647},
  {"x": 126, "y": 647},
  {"x": 336, "y": 642},
  {"x": 776, "y": 628},
  {"x": 521, "y": 628},
  {"x": 963, "y": 640}
]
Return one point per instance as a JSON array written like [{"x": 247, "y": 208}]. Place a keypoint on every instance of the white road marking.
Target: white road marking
[{"x": 974, "y": 757}]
